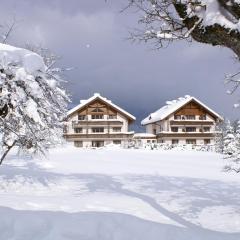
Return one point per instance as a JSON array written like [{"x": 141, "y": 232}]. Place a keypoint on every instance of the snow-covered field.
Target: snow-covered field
[{"x": 116, "y": 194}]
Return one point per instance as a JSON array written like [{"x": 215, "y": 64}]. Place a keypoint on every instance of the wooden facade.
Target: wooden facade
[
  {"x": 192, "y": 122},
  {"x": 193, "y": 108},
  {"x": 98, "y": 119}
]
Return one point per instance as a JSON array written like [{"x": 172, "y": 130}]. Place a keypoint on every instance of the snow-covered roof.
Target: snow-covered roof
[
  {"x": 98, "y": 96},
  {"x": 171, "y": 107}
]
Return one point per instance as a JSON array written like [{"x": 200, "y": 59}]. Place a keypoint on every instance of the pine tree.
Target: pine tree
[
  {"x": 231, "y": 148},
  {"x": 220, "y": 135},
  {"x": 229, "y": 141}
]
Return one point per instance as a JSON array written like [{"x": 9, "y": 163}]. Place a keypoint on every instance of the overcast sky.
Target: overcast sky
[{"x": 90, "y": 35}]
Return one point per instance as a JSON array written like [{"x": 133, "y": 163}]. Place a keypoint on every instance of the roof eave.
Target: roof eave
[
  {"x": 80, "y": 106},
  {"x": 189, "y": 100}
]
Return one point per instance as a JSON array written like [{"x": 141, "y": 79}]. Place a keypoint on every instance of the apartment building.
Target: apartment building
[
  {"x": 183, "y": 121},
  {"x": 97, "y": 122}
]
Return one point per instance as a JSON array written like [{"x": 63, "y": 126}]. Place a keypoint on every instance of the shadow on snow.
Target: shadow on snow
[{"x": 100, "y": 225}]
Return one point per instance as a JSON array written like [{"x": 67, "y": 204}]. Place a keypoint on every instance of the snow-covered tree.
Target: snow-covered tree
[
  {"x": 231, "y": 149},
  {"x": 214, "y": 22},
  {"x": 32, "y": 102},
  {"x": 229, "y": 140},
  {"x": 221, "y": 132},
  {"x": 235, "y": 159}
]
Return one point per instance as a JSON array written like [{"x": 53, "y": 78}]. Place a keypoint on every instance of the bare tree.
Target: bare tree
[{"x": 7, "y": 29}]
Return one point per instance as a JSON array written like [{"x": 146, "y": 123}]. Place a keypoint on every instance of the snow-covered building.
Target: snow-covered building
[
  {"x": 97, "y": 122},
  {"x": 183, "y": 121},
  {"x": 141, "y": 139}
]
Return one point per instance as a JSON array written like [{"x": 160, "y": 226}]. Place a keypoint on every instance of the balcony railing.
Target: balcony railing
[
  {"x": 190, "y": 117},
  {"x": 99, "y": 135},
  {"x": 187, "y": 134},
  {"x": 97, "y": 122},
  {"x": 190, "y": 122}
]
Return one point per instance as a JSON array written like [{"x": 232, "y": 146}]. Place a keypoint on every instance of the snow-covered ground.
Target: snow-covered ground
[{"x": 116, "y": 194}]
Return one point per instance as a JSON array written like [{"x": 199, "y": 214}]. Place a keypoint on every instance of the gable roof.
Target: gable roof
[
  {"x": 96, "y": 96},
  {"x": 173, "y": 106}
]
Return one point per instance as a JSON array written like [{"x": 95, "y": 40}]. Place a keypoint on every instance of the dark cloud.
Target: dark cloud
[{"x": 91, "y": 36}]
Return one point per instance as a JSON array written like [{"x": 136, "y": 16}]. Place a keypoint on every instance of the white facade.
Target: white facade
[
  {"x": 182, "y": 129},
  {"x": 143, "y": 139},
  {"x": 109, "y": 125}
]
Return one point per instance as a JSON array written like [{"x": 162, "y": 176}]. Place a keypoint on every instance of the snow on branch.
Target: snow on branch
[
  {"x": 32, "y": 102},
  {"x": 234, "y": 81},
  {"x": 214, "y": 22}
]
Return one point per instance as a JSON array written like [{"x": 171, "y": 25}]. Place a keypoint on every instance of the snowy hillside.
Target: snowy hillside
[{"x": 116, "y": 194}]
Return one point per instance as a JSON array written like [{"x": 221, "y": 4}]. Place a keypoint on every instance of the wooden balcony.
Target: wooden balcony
[
  {"x": 191, "y": 123},
  {"x": 187, "y": 134},
  {"x": 96, "y": 122},
  {"x": 99, "y": 135}
]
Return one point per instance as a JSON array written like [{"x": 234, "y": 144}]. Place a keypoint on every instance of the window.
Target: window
[
  {"x": 174, "y": 129},
  {"x": 174, "y": 141},
  {"x": 78, "y": 143},
  {"x": 97, "y": 116},
  {"x": 191, "y": 141},
  {"x": 117, "y": 129},
  {"x": 190, "y": 129},
  {"x": 118, "y": 142},
  {"x": 97, "y": 144},
  {"x": 97, "y": 110},
  {"x": 98, "y": 130},
  {"x": 65, "y": 129},
  {"x": 154, "y": 131},
  {"x": 78, "y": 130},
  {"x": 207, "y": 141},
  {"x": 112, "y": 117},
  {"x": 177, "y": 117},
  {"x": 206, "y": 129},
  {"x": 202, "y": 117},
  {"x": 148, "y": 141},
  {"x": 190, "y": 117},
  {"x": 81, "y": 117}
]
